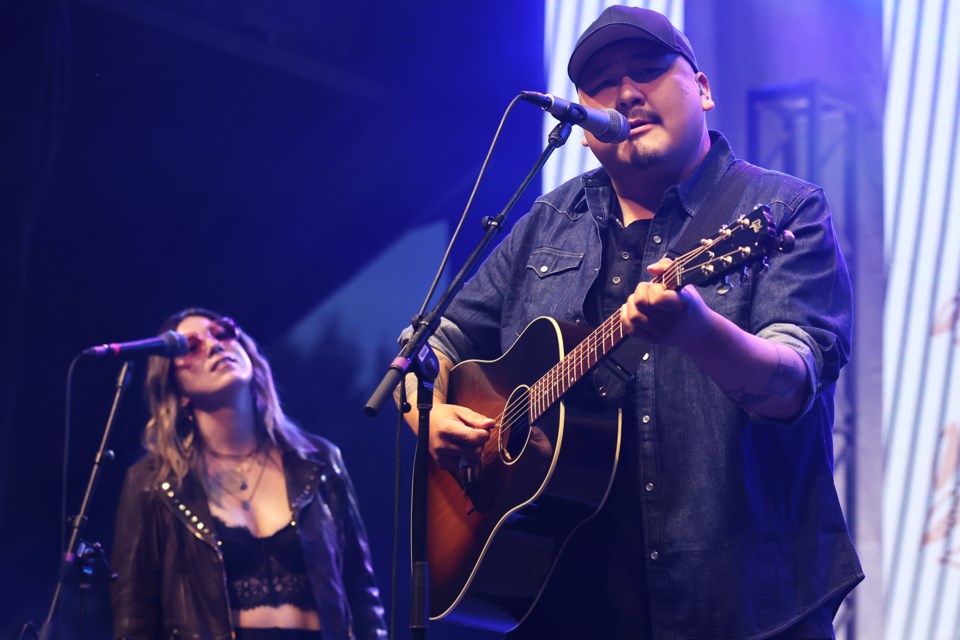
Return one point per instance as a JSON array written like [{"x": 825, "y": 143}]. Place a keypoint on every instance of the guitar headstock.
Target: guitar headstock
[{"x": 736, "y": 248}]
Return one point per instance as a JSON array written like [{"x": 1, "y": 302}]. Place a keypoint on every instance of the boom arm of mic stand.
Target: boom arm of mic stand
[
  {"x": 418, "y": 351},
  {"x": 426, "y": 326}
]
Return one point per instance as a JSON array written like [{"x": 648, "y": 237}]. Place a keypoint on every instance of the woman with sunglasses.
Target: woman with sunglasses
[{"x": 236, "y": 521}]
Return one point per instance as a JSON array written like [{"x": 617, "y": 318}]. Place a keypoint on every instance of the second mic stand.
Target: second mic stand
[
  {"x": 418, "y": 355},
  {"x": 84, "y": 556}
]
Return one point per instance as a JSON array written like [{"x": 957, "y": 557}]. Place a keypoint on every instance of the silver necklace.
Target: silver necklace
[
  {"x": 220, "y": 478},
  {"x": 240, "y": 463}
]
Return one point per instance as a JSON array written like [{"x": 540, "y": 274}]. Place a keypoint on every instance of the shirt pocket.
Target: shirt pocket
[
  {"x": 546, "y": 261},
  {"x": 550, "y": 291}
]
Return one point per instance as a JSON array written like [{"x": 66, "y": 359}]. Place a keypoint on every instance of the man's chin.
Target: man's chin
[{"x": 644, "y": 156}]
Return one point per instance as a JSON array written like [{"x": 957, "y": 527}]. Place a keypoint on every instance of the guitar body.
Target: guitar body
[{"x": 496, "y": 530}]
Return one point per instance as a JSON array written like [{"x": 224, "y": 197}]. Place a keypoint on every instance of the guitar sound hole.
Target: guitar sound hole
[{"x": 515, "y": 426}]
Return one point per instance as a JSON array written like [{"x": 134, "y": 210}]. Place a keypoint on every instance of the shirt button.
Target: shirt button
[
  {"x": 646, "y": 356},
  {"x": 616, "y": 280},
  {"x": 625, "y": 255},
  {"x": 645, "y": 419},
  {"x": 544, "y": 269},
  {"x": 654, "y": 555},
  {"x": 649, "y": 487},
  {"x": 657, "y": 239}
]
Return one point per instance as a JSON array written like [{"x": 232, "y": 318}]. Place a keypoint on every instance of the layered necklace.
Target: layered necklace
[{"x": 232, "y": 472}]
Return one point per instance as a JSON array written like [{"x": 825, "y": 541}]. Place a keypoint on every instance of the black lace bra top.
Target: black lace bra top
[{"x": 264, "y": 572}]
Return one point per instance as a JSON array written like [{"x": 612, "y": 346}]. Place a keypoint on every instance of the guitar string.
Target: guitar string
[
  {"x": 519, "y": 405},
  {"x": 581, "y": 354},
  {"x": 608, "y": 329}
]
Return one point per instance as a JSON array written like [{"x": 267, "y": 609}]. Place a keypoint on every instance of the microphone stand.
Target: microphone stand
[
  {"x": 86, "y": 553},
  {"x": 418, "y": 356}
]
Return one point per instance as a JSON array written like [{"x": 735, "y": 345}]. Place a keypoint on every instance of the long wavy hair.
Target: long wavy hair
[{"x": 171, "y": 433}]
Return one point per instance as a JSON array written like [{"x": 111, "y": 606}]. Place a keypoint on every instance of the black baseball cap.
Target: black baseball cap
[{"x": 623, "y": 23}]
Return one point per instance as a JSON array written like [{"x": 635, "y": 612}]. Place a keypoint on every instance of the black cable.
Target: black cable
[
  {"x": 62, "y": 551},
  {"x": 466, "y": 209}
]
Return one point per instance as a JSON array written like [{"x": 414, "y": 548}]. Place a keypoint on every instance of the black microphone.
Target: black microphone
[
  {"x": 608, "y": 125},
  {"x": 168, "y": 345}
]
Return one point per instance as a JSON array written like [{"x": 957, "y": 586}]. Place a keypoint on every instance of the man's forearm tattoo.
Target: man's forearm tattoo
[{"x": 783, "y": 380}]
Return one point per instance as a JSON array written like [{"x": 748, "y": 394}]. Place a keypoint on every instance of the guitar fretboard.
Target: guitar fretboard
[
  {"x": 557, "y": 381},
  {"x": 711, "y": 259}
]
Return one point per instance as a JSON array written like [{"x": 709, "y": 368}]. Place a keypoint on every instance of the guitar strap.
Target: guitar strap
[
  {"x": 619, "y": 367},
  {"x": 717, "y": 211}
]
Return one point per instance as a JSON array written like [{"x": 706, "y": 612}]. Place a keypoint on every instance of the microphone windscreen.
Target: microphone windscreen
[
  {"x": 619, "y": 129},
  {"x": 175, "y": 344}
]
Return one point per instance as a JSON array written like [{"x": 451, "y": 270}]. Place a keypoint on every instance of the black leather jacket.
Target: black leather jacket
[{"x": 172, "y": 582}]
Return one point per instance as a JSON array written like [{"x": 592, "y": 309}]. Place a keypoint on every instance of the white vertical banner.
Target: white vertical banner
[
  {"x": 921, "y": 387},
  {"x": 564, "y": 22}
]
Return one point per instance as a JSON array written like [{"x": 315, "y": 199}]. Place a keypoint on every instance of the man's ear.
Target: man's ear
[{"x": 706, "y": 98}]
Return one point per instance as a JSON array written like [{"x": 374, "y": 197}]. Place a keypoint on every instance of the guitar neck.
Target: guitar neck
[
  {"x": 744, "y": 243},
  {"x": 546, "y": 391}
]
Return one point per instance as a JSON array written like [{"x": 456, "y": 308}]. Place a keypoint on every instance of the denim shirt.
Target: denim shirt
[{"x": 742, "y": 528}]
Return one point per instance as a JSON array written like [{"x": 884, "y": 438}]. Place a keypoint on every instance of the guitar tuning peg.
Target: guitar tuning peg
[
  {"x": 744, "y": 276},
  {"x": 764, "y": 265},
  {"x": 724, "y": 287}
]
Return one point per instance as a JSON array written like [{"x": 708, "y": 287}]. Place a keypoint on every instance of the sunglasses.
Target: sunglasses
[{"x": 220, "y": 329}]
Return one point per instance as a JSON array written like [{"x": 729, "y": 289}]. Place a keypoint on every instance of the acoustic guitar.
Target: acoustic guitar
[{"x": 496, "y": 529}]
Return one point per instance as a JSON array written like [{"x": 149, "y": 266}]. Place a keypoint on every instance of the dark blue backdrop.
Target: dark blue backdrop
[{"x": 249, "y": 158}]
